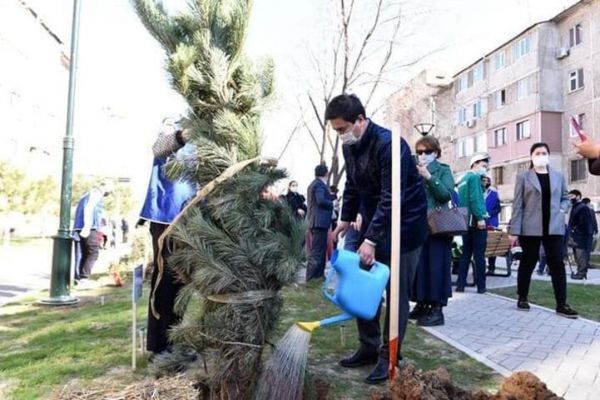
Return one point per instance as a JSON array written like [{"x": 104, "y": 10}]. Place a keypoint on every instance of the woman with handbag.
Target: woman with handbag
[
  {"x": 539, "y": 208},
  {"x": 433, "y": 281}
]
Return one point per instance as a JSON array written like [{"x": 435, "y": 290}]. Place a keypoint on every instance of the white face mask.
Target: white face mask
[
  {"x": 348, "y": 137},
  {"x": 426, "y": 159},
  {"x": 540, "y": 161},
  {"x": 482, "y": 171}
]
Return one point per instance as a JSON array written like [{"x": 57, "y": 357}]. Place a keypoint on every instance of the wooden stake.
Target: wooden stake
[{"x": 394, "y": 295}]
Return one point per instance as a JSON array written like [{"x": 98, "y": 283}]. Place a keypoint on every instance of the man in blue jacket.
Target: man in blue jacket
[
  {"x": 367, "y": 150},
  {"x": 318, "y": 219},
  {"x": 493, "y": 208}
]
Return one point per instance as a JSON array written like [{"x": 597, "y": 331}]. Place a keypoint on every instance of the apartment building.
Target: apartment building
[{"x": 522, "y": 92}]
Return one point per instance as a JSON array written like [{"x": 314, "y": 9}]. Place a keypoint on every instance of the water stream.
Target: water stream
[{"x": 283, "y": 376}]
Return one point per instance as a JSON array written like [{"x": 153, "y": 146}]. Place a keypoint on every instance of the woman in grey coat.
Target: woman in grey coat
[{"x": 539, "y": 208}]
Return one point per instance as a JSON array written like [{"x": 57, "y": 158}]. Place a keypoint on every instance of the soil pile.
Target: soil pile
[{"x": 413, "y": 384}]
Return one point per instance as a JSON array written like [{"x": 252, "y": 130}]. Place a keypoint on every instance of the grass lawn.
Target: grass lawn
[
  {"x": 305, "y": 303},
  {"x": 583, "y": 298},
  {"x": 43, "y": 349}
]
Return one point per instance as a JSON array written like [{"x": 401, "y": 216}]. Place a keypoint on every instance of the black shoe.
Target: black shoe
[
  {"x": 435, "y": 317},
  {"x": 459, "y": 289},
  {"x": 579, "y": 276},
  {"x": 481, "y": 291},
  {"x": 566, "y": 311},
  {"x": 418, "y": 311},
  {"x": 359, "y": 358},
  {"x": 380, "y": 372},
  {"x": 491, "y": 271},
  {"x": 523, "y": 305}
]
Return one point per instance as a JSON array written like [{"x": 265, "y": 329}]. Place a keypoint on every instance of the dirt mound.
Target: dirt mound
[{"x": 413, "y": 384}]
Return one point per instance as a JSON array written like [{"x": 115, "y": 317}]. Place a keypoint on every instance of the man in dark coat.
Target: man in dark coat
[
  {"x": 320, "y": 208},
  {"x": 581, "y": 232},
  {"x": 367, "y": 150}
]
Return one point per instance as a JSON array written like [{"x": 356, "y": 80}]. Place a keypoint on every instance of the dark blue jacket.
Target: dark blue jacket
[
  {"x": 493, "y": 207},
  {"x": 581, "y": 226},
  {"x": 368, "y": 189},
  {"x": 320, "y": 205}
]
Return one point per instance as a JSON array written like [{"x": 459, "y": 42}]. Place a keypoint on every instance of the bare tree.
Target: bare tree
[{"x": 359, "y": 59}]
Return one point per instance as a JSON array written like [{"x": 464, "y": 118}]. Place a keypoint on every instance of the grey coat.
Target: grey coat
[{"x": 527, "y": 204}]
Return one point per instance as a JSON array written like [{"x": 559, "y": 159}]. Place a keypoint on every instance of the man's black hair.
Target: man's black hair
[
  {"x": 575, "y": 192},
  {"x": 345, "y": 106},
  {"x": 586, "y": 200},
  {"x": 321, "y": 170}
]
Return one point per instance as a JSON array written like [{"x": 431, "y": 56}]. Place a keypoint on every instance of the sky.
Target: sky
[{"x": 124, "y": 92}]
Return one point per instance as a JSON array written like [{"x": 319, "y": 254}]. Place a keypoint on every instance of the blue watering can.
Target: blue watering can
[{"x": 357, "y": 292}]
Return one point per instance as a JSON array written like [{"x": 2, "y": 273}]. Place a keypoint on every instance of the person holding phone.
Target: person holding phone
[
  {"x": 540, "y": 204},
  {"x": 587, "y": 148}
]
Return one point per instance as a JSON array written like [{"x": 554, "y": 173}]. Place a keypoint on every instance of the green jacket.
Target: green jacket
[
  {"x": 439, "y": 188},
  {"x": 470, "y": 193}
]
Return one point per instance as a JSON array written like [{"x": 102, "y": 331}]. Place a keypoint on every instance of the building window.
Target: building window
[
  {"x": 522, "y": 89},
  {"x": 462, "y": 82},
  {"x": 461, "y": 150},
  {"x": 477, "y": 109},
  {"x": 498, "y": 176},
  {"x": 578, "y": 170},
  {"x": 522, "y": 47},
  {"x": 478, "y": 73},
  {"x": 500, "y": 98},
  {"x": 575, "y": 35},
  {"x": 480, "y": 143},
  {"x": 499, "y": 60},
  {"x": 500, "y": 137},
  {"x": 580, "y": 119},
  {"x": 523, "y": 130},
  {"x": 462, "y": 116},
  {"x": 576, "y": 80}
]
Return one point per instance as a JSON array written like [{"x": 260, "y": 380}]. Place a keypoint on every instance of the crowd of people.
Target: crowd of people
[{"x": 362, "y": 217}]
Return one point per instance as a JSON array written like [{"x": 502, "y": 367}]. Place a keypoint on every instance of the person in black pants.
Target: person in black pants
[
  {"x": 367, "y": 149},
  {"x": 318, "y": 219},
  {"x": 539, "y": 208}
]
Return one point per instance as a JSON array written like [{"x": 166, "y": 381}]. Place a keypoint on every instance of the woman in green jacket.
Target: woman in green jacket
[{"x": 433, "y": 282}]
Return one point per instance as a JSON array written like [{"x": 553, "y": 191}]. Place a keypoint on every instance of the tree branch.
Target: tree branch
[
  {"x": 290, "y": 137},
  {"x": 366, "y": 39}
]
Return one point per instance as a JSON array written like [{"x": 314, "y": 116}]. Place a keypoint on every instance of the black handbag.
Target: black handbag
[{"x": 448, "y": 221}]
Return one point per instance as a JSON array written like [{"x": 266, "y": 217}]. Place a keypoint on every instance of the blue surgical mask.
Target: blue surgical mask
[
  {"x": 426, "y": 159},
  {"x": 482, "y": 171}
]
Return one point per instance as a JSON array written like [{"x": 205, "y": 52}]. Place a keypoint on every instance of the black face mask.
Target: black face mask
[
  {"x": 487, "y": 185},
  {"x": 574, "y": 201}
]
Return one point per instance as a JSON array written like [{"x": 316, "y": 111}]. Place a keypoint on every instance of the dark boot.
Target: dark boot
[
  {"x": 380, "y": 372},
  {"x": 579, "y": 275},
  {"x": 523, "y": 304},
  {"x": 361, "y": 357},
  {"x": 435, "y": 317},
  {"x": 420, "y": 310}
]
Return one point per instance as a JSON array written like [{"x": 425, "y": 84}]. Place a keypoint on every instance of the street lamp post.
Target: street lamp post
[
  {"x": 60, "y": 280},
  {"x": 424, "y": 128}
]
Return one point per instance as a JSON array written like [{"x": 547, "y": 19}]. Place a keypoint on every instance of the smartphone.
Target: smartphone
[{"x": 578, "y": 129}]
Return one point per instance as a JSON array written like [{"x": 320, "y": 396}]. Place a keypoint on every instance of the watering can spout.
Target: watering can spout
[{"x": 336, "y": 319}]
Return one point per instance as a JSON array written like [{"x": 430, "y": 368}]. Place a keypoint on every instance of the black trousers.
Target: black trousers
[
  {"x": 165, "y": 294},
  {"x": 316, "y": 260},
  {"x": 90, "y": 250},
  {"x": 553, "y": 245},
  {"x": 369, "y": 331}
]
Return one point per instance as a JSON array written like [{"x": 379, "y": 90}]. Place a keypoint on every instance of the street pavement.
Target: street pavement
[
  {"x": 564, "y": 353},
  {"x": 26, "y": 268}
]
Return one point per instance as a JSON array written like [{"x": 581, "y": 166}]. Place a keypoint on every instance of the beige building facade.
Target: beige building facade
[{"x": 523, "y": 92}]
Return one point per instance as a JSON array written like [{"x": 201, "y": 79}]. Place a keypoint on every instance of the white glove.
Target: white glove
[{"x": 85, "y": 232}]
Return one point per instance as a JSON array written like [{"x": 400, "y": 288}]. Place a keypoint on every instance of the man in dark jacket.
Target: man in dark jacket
[
  {"x": 581, "y": 232},
  {"x": 367, "y": 150},
  {"x": 320, "y": 208}
]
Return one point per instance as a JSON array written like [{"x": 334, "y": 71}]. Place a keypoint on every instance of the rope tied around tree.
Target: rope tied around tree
[{"x": 229, "y": 173}]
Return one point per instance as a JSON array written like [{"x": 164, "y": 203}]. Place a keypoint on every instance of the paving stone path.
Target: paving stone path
[{"x": 564, "y": 353}]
